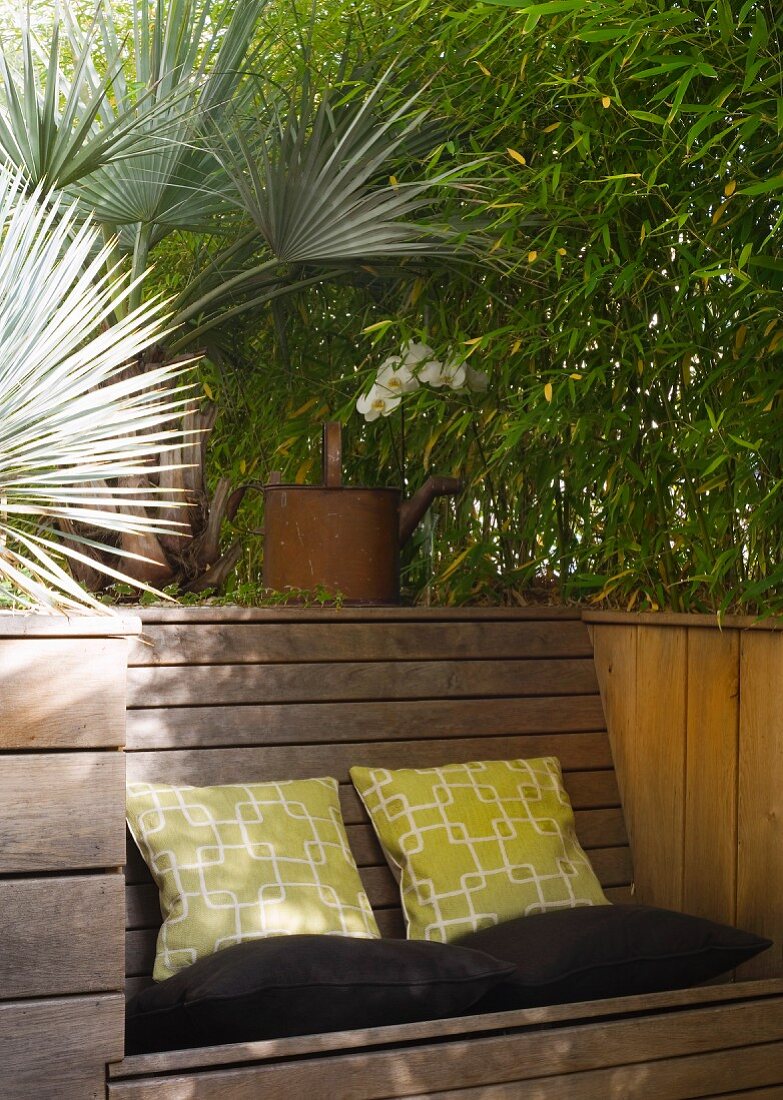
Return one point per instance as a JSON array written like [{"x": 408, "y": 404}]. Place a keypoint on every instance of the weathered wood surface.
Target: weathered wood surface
[
  {"x": 703, "y": 1043},
  {"x": 61, "y": 935},
  {"x": 192, "y": 616},
  {"x": 274, "y": 642},
  {"x": 26, "y": 624},
  {"x": 200, "y": 767},
  {"x": 57, "y": 1049},
  {"x": 697, "y": 735},
  {"x": 760, "y": 808},
  {"x": 687, "y": 619},
  {"x": 62, "y": 692},
  {"x": 222, "y": 685},
  {"x": 61, "y": 811}
]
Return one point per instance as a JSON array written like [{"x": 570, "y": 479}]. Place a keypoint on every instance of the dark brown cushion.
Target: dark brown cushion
[
  {"x": 295, "y": 985},
  {"x": 598, "y": 951}
]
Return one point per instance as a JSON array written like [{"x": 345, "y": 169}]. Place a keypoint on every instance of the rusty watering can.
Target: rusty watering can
[{"x": 344, "y": 538}]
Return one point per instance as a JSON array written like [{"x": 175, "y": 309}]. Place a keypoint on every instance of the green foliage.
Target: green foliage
[{"x": 629, "y": 449}]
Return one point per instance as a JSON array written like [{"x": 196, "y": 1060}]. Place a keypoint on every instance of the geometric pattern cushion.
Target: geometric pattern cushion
[
  {"x": 246, "y": 861},
  {"x": 476, "y": 844}
]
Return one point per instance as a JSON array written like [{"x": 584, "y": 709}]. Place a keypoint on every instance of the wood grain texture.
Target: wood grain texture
[
  {"x": 223, "y": 685},
  {"x": 626, "y": 1045},
  {"x": 248, "y": 642},
  {"x": 61, "y": 935},
  {"x": 576, "y": 751},
  {"x": 294, "y": 723},
  {"x": 49, "y": 700},
  {"x": 57, "y": 1049},
  {"x": 25, "y": 624},
  {"x": 688, "y": 619},
  {"x": 208, "y": 614},
  {"x": 710, "y": 832},
  {"x": 61, "y": 811},
  {"x": 760, "y": 810}
]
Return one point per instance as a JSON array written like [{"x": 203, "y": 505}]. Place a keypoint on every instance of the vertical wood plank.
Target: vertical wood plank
[
  {"x": 710, "y": 866},
  {"x": 656, "y": 765},
  {"x": 614, "y": 650},
  {"x": 760, "y": 803}
]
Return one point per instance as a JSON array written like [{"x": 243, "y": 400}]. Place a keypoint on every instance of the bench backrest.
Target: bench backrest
[{"x": 228, "y": 695}]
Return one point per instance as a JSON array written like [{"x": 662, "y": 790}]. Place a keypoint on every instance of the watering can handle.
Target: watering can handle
[{"x": 333, "y": 454}]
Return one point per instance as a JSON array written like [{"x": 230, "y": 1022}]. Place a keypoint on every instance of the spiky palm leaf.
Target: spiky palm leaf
[{"x": 76, "y": 432}]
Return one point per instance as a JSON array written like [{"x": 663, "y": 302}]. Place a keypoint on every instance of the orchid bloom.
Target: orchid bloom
[
  {"x": 395, "y": 377},
  {"x": 415, "y": 353},
  {"x": 438, "y": 374},
  {"x": 378, "y": 402}
]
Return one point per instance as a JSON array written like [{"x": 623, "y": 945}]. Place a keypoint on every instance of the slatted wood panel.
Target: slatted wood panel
[
  {"x": 61, "y": 692},
  {"x": 60, "y": 935},
  {"x": 290, "y": 695},
  {"x": 57, "y": 1049},
  {"x": 697, "y": 735},
  {"x": 61, "y": 811},
  {"x": 672, "y": 1055}
]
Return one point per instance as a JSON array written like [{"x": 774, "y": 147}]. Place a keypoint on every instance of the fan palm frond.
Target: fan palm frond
[{"x": 76, "y": 427}]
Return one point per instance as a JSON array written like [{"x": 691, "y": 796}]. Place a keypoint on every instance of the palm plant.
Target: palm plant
[
  {"x": 79, "y": 436},
  {"x": 171, "y": 141}
]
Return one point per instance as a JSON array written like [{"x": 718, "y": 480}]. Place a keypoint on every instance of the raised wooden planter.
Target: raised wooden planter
[
  {"x": 62, "y": 841},
  {"x": 695, "y": 718}
]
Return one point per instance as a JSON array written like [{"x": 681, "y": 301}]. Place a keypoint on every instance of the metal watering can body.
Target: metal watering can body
[{"x": 345, "y": 539}]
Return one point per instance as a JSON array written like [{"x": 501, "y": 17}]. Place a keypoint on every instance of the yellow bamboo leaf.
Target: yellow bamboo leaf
[
  {"x": 562, "y": 252},
  {"x": 606, "y": 102},
  {"x": 548, "y": 391},
  {"x": 496, "y": 245},
  {"x": 473, "y": 340},
  {"x": 303, "y": 408},
  {"x": 768, "y": 407},
  {"x": 718, "y": 214},
  {"x": 416, "y": 291},
  {"x": 303, "y": 471},
  {"x": 770, "y": 326},
  {"x": 483, "y": 68},
  {"x": 394, "y": 182},
  {"x": 516, "y": 346},
  {"x": 455, "y": 564},
  {"x": 550, "y": 128},
  {"x": 775, "y": 341},
  {"x": 532, "y": 256},
  {"x": 242, "y": 466},
  {"x": 739, "y": 339},
  {"x": 208, "y": 391},
  {"x": 643, "y": 234},
  {"x": 730, "y": 188},
  {"x": 576, "y": 377},
  {"x": 516, "y": 156}
]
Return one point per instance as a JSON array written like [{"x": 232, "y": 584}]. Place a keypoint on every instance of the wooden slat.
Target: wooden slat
[
  {"x": 56, "y": 1049},
  {"x": 573, "y": 1066},
  {"x": 197, "y": 727},
  {"x": 657, "y": 749},
  {"x": 49, "y": 702},
  {"x": 212, "y": 614},
  {"x": 528, "y": 1019},
  {"x": 709, "y": 880},
  {"x": 239, "y": 643},
  {"x": 207, "y": 767},
  {"x": 223, "y": 685},
  {"x": 61, "y": 811},
  {"x": 25, "y": 624},
  {"x": 687, "y": 619},
  {"x": 760, "y": 825},
  {"x": 61, "y": 935}
]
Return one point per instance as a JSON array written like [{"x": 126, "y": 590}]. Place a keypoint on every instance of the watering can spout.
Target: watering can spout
[{"x": 411, "y": 511}]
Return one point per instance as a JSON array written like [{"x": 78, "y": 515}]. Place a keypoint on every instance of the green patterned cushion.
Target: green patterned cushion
[
  {"x": 245, "y": 861},
  {"x": 476, "y": 844}
]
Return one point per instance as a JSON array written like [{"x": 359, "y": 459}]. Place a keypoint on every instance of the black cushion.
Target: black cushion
[
  {"x": 597, "y": 951},
  {"x": 294, "y": 985}
]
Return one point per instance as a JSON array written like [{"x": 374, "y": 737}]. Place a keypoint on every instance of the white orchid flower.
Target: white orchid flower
[
  {"x": 476, "y": 380},
  {"x": 395, "y": 377},
  {"x": 415, "y": 353},
  {"x": 438, "y": 374},
  {"x": 378, "y": 402}
]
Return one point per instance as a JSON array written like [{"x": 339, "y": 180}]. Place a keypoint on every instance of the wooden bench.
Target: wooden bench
[{"x": 271, "y": 695}]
